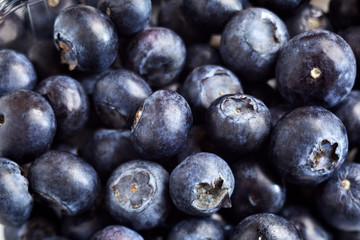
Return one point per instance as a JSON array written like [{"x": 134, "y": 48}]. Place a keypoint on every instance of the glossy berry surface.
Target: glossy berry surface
[
  {"x": 117, "y": 96},
  {"x": 17, "y": 72},
  {"x": 27, "y": 125},
  {"x": 161, "y": 124},
  {"x": 129, "y": 16},
  {"x": 265, "y": 226},
  {"x": 338, "y": 198},
  {"x": 201, "y": 184},
  {"x": 238, "y": 123},
  {"x": 69, "y": 101},
  {"x": 117, "y": 232},
  {"x": 157, "y": 54},
  {"x": 89, "y": 46},
  {"x": 66, "y": 182},
  {"x": 250, "y": 43},
  {"x": 16, "y": 204},
  {"x": 197, "y": 229},
  {"x": 317, "y": 67},
  {"x": 308, "y": 145},
  {"x": 137, "y": 194}
]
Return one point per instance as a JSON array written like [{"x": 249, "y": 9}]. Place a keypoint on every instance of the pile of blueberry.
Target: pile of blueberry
[{"x": 180, "y": 120}]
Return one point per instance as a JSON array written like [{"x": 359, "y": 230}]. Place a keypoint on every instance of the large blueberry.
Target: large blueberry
[
  {"x": 161, "y": 124},
  {"x": 238, "y": 123},
  {"x": 157, "y": 54},
  {"x": 66, "y": 182},
  {"x": 308, "y": 145},
  {"x": 250, "y": 43},
  {"x": 17, "y": 72},
  {"x": 27, "y": 125},
  {"x": 117, "y": 96},
  {"x": 201, "y": 184},
  {"x": 86, "y": 38},
  {"x": 16, "y": 202},
  {"x": 137, "y": 194},
  {"x": 316, "y": 68},
  {"x": 69, "y": 101}
]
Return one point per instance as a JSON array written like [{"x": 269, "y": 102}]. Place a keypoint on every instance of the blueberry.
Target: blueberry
[
  {"x": 137, "y": 194},
  {"x": 66, "y": 182},
  {"x": 205, "y": 84},
  {"x": 129, "y": 16},
  {"x": 16, "y": 202},
  {"x": 27, "y": 125},
  {"x": 238, "y": 123},
  {"x": 257, "y": 189},
  {"x": 308, "y": 145},
  {"x": 173, "y": 16},
  {"x": 347, "y": 111},
  {"x": 201, "y": 184},
  {"x": 116, "y": 232},
  {"x": 250, "y": 44},
  {"x": 69, "y": 101},
  {"x": 17, "y": 72},
  {"x": 338, "y": 199},
  {"x": 352, "y": 37},
  {"x": 106, "y": 149},
  {"x": 86, "y": 38},
  {"x": 265, "y": 226},
  {"x": 316, "y": 68},
  {"x": 213, "y": 14},
  {"x": 197, "y": 229},
  {"x": 306, "y": 224},
  {"x": 161, "y": 124},
  {"x": 307, "y": 18},
  {"x": 12, "y": 33},
  {"x": 157, "y": 54},
  {"x": 117, "y": 96}
]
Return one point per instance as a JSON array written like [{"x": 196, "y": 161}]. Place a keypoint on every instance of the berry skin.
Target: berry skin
[
  {"x": 65, "y": 181},
  {"x": 69, "y": 101},
  {"x": 116, "y": 232},
  {"x": 265, "y": 226},
  {"x": 117, "y": 96},
  {"x": 16, "y": 202},
  {"x": 157, "y": 54},
  {"x": 17, "y": 72},
  {"x": 316, "y": 68},
  {"x": 137, "y": 194},
  {"x": 27, "y": 126},
  {"x": 308, "y": 145},
  {"x": 338, "y": 198},
  {"x": 201, "y": 184},
  {"x": 89, "y": 46},
  {"x": 250, "y": 44},
  {"x": 238, "y": 123},
  {"x": 161, "y": 125}
]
